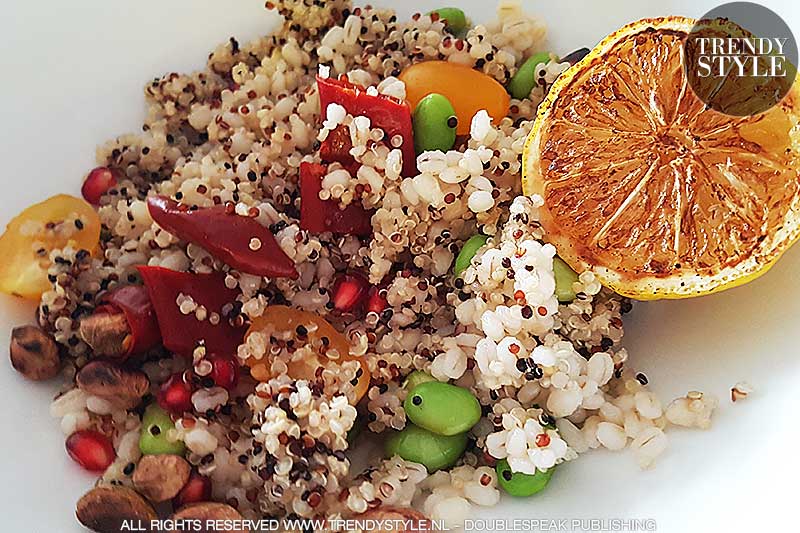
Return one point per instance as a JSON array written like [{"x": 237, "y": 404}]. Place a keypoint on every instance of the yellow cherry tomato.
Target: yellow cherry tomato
[
  {"x": 29, "y": 238},
  {"x": 468, "y": 90},
  {"x": 281, "y": 319}
]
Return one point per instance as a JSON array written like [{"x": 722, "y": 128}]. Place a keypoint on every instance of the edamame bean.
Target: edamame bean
[
  {"x": 454, "y": 19},
  {"x": 526, "y": 77},
  {"x": 442, "y": 408},
  {"x": 468, "y": 252},
  {"x": 415, "y": 378},
  {"x": 153, "y": 440},
  {"x": 434, "y": 124},
  {"x": 519, "y": 484},
  {"x": 425, "y": 447},
  {"x": 565, "y": 277}
]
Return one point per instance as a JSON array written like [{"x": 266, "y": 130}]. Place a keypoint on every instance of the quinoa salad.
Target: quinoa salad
[{"x": 317, "y": 245}]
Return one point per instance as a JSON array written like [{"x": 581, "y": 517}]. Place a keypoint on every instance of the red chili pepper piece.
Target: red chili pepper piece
[
  {"x": 134, "y": 302},
  {"x": 239, "y": 241},
  {"x": 182, "y": 333},
  {"x": 336, "y": 146},
  {"x": 336, "y": 149},
  {"x": 393, "y": 116},
  {"x": 318, "y": 215}
]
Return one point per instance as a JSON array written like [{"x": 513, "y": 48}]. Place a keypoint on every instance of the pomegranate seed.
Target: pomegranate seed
[
  {"x": 97, "y": 183},
  {"x": 376, "y": 303},
  {"x": 349, "y": 291},
  {"x": 197, "y": 489},
  {"x": 175, "y": 395},
  {"x": 542, "y": 440},
  {"x": 224, "y": 371},
  {"x": 91, "y": 449}
]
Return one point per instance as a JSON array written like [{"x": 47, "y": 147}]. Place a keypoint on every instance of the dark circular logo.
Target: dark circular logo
[{"x": 740, "y": 58}]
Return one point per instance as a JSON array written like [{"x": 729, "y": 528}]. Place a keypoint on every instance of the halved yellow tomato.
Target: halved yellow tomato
[
  {"x": 29, "y": 238},
  {"x": 319, "y": 332},
  {"x": 469, "y": 90}
]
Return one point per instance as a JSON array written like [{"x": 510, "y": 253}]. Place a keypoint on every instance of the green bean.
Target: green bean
[
  {"x": 468, "y": 252},
  {"x": 525, "y": 79},
  {"x": 519, "y": 484},
  {"x": 454, "y": 19},
  {"x": 442, "y": 408},
  {"x": 434, "y": 124},
  {"x": 415, "y": 378},
  {"x": 565, "y": 277},
  {"x": 153, "y": 440},
  {"x": 422, "y": 446}
]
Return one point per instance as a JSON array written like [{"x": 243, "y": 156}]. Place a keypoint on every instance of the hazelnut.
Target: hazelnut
[
  {"x": 207, "y": 512},
  {"x": 105, "y": 508},
  {"x": 120, "y": 386},
  {"x": 161, "y": 477},
  {"x": 34, "y": 353}
]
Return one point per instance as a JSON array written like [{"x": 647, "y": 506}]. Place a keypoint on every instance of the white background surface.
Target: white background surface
[{"x": 72, "y": 76}]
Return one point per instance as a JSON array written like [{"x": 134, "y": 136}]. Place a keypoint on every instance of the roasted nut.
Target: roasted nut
[
  {"x": 34, "y": 353},
  {"x": 106, "y": 333},
  {"x": 105, "y": 508},
  {"x": 111, "y": 382},
  {"x": 403, "y": 516},
  {"x": 161, "y": 477},
  {"x": 207, "y": 512}
]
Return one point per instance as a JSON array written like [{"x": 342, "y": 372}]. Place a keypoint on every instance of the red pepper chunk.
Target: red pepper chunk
[
  {"x": 336, "y": 149},
  {"x": 182, "y": 333},
  {"x": 393, "y": 116},
  {"x": 239, "y": 241},
  {"x": 133, "y": 301},
  {"x": 318, "y": 215}
]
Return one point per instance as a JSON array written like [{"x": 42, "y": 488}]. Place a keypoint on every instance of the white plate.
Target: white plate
[{"x": 72, "y": 77}]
